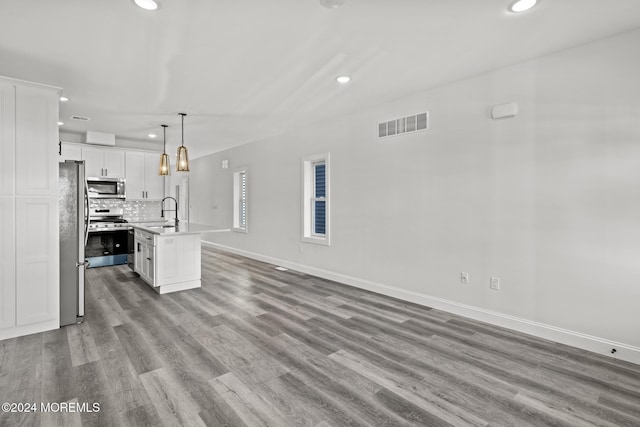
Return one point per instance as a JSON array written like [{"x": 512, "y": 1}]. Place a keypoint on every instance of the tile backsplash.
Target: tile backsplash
[
  {"x": 134, "y": 210},
  {"x": 141, "y": 210}
]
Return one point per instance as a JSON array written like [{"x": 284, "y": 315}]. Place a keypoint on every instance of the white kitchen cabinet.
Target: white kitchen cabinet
[
  {"x": 144, "y": 255},
  {"x": 93, "y": 161},
  {"x": 37, "y": 259},
  {"x": 153, "y": 181},
  {"x": 135, "y": 175},
  {"x": 70, "y": 152},
  {"x": 36, "y": 143},
  {"x": 149, "y": 265},
  {"x": 7, "y": 263},
  {"x": 143, "y": 180},
  {"x": 177, "y": 259},
  {"x": 104, "y": 162},
  {"x": 7, "y": 136},
  {"x": 29, "y": 239}
]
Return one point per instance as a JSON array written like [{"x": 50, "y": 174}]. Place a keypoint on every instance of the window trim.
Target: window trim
[
  {"x": 236, "y": 200},
  {"x": 308, "y": 197}
]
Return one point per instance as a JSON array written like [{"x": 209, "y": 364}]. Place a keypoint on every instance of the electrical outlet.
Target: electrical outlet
[
  {"x": 495, "y": 283},
  {"x": 464, "y": 278}
]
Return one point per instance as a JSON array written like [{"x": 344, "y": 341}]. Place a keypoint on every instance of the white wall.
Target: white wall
[{"x": 549, "y": 201}]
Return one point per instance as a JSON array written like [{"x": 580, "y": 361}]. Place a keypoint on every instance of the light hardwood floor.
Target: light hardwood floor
[{"x": 255, "y": 346}]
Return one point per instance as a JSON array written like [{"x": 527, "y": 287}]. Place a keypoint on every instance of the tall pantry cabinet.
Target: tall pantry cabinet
[{"x": 29, "y": 237}]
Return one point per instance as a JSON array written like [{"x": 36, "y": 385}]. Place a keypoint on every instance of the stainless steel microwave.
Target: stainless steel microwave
[{"x": 106, "y": 188}]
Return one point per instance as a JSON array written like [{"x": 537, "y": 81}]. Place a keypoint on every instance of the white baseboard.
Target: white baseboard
[
  {"x": 594, "y": 344},
  {"x": 33, "y": 328}
]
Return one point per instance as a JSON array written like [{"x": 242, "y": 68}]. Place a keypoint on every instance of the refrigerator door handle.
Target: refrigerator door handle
[{"x": 83, "y": 267}]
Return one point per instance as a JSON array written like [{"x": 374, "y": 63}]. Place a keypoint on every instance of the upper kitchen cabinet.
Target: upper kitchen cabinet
[
  {"x": 36, "y": 137},
  {"x": 103, "y": 162},
  {"x": 143, "y": 180},
  {"x": 7, "y": 136},
  {"x": 153, "y": 182},
  {"x": 69, "y": 152}
]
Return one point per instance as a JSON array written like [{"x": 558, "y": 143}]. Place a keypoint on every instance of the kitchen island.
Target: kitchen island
[{"x": 168, "y": 257}]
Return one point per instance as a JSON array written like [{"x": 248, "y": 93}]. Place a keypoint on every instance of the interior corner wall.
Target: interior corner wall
[{"x": 548, "y": 201}]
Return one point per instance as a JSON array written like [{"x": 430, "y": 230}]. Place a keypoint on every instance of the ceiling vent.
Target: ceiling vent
[
  {"x": 81, "y": 118},
  {"x": 100, "y": 138},
  {"x": 414, "y": 123}
]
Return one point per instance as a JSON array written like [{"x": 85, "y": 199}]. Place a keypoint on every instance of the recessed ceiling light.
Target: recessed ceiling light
[
  {"x": 522, "y": 5},
  {"x": 63, "y": 99},
  {"x": 343, "y": 79},
  {"x": 332, "y": 4},
  {"x": 60, "y": 123},
  {"x": 152, "y": 135},
  {"x": 147, "y": 4}
]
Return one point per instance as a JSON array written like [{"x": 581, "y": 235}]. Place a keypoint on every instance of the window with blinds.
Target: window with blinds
[
  {"x": 316, "y": 199},
  {"x": 240, "y": 201}
]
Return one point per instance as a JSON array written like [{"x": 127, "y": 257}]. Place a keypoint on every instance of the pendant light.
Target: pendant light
[
  {"x": 165, "y": 168},
  {"x": 183, "y": 157}
]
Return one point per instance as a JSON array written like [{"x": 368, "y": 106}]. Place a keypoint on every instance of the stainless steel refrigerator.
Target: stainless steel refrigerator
[{"x": 74, "y": 211}]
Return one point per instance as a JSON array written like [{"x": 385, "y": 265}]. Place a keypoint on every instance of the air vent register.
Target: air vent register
[{"x": 413, "y": 123}]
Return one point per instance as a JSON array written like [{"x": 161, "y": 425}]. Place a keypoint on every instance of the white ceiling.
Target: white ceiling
[{"x": 246, "y": 69}]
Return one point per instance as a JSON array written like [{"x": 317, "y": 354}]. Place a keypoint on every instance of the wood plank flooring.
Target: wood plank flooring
[{"x": 256, "y": 347}]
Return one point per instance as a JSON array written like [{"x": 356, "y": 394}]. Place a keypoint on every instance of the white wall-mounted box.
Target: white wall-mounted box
[{"x": 100, "y": 138}]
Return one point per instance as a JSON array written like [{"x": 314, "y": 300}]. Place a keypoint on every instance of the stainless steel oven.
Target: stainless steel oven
[
  {"x": 108, "y": 237},
  {"x": 107, "y": 247},
  {"x": 106, "y": 188}
]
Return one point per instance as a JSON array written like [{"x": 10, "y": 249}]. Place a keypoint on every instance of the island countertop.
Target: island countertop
[{"x": 164, "y": 229}]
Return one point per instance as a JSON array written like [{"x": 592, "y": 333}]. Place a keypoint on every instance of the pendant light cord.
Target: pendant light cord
[
  {"x": 164, "y": 130},
  {"x": 182, "y": 115}
]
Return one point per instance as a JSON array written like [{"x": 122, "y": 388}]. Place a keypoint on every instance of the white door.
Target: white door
[
  {"x": 147, "y": 262},
  {"x": 36, "y": 142},
  {"x": 114, "y": 164},
  {"x": 37, "y": 266},
  {"x": 93, "y": 162}
]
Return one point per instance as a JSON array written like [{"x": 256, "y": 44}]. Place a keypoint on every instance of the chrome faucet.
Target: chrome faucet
[{"x": 163, "y": 210}]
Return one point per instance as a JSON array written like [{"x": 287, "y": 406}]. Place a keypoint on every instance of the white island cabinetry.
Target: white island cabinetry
[
  {"x": 169, "y": 258},
  {"x": 144, "y": 255}
]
